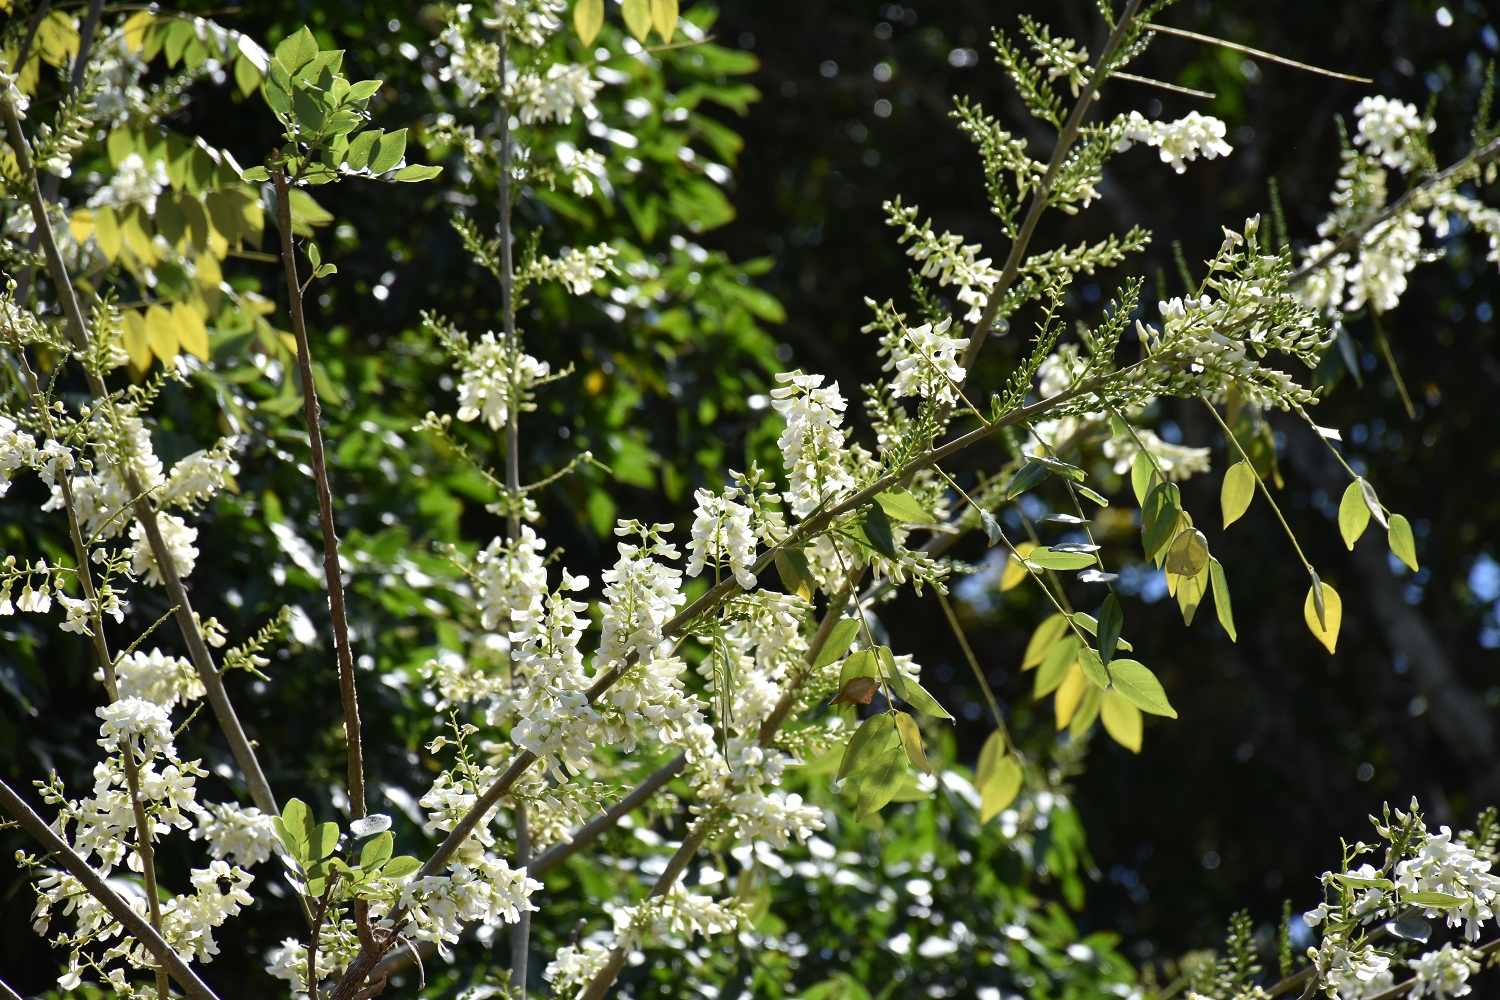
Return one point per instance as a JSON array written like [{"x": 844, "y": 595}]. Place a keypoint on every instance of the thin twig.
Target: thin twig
[
  {"x": 332, "y": 571},
  {"x": 100, "y": 890},
  {"x": 963, "y": 640},
  {"x": 1390, "y": 360},
  {"x": 1164, "y": 86},
  {"x": 1258, "y": 53}
]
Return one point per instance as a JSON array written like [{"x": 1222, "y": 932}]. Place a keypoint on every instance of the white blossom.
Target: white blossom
[
  {"x": 1176, "y": 461},
  {"x": 1384, "y": 128},
  {"x": 487, "y": 891},
  {"x": 1387, "y": 255},
  {"x": 136, "y": 722},
  {"x": 722, "y": 537},
  {"x": 178, "y": 539},
  {"x": 512, "y": 579},
  {"x": 640, "y": 594},
  {"x": 486, "y": 389},
  {"x": 1180, "y": 141},
  {"x": 577, "y": 269},
  {"x": 17, "y": 451},
  {"x": 947, "y": 258},
  {"x": 1352, "y": 974},
  {"x": 1443, "y": 865},
  {"x": 1444, "y": 973},
  {"x": 812, "y": 443},
  {"x": 134, "y": 183},
  {"x": 155, "y": 677},
  {"x": 566, "y": 87},
  {"x": 243, "y": 833},
  {"x": 199, "y": 476},
  {"x": 586, "y": 167},
  {"x": 925, "y": 360}
]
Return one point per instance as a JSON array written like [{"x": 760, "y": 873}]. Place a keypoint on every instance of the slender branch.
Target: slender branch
[
  {"x": 1065, "y": 140},
  {"x": 213, "y": 683},
  {"x": 6, "y": 993},
  {"x": 591, "y": 831},
  {"x": 1390, "y": 361},
  {"x": 1164, "y": 86},
  {"x": 1258, "y": 481},
  {"x": 963, "y": 641},
  {"x": 100, "y": 890},
  {"x": 331, "y": 569},
  {"x": 1258, "y": 53}
]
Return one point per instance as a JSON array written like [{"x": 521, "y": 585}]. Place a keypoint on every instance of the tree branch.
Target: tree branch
[
  {"x": 100, "y": 890},
  {"x": 239, "y": 745}
]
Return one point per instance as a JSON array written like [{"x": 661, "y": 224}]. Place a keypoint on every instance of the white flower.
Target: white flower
[
  {"x": 640, "y": 595},
  {"x": 37, "y": 601},
  {"x": 577, "y": 269},
  {"x": 134, "y": 183},
  {"x": 812, "y": 444},
  {"x": 199, "y": 476},
  {"x": 486, "y": 389},
  {"x": 512, "y": 579},
  {"x": 1444, "y": 973},
  {"x": 1387, "y": 254},
  {"x": 1352, "y": 975},
  {"x": 774, "y": 817},
  {"x": 925, "y": 360},
  {"x": 575, "y": 967},
  {"x": 488, "y": 891},
  {"x": 188, "y": 922},
  {"x": 160, "y": 679},
  {"x": 1181, "y": 140},
  {"x": 78, "y": 614},
  {"x": 17, "y": 451},
  {"x": 178, "y": 539},
  {"x": 1384, "y": 127},
  {"x": 53, "y": 459},
  {"x": 947, "y": 258},
  {"x": 241, "y": 832},
  {"x": 554, "y": 97},
  {"x": 722, "y": 537},
  {"x": 1177, "y": 461},
  {"x": 584, "y": 166},
  {"x": 1441, "y": 865},
  {"x": 136, "y": 722}
]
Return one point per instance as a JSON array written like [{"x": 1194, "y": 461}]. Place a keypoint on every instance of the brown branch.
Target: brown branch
[
  {"x": 594, "y": 828},
  {"x": 234, "y": 733},
  {"x": 100, "y": 890},
  {"x": 1259, "y": 53},
  {"x": 331, "y": 570}
]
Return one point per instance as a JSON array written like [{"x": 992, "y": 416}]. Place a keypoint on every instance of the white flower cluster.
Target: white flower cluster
[
  {"x": 529, "y": 22},
  {"x": 640, "y": 594},
  {"x": 198, "y": 477},
  {"x": 722, "y": 537},
  {"x": 677, "y": 911},
  {"x": 1443, "y": 865},
  {"x": 556, "y": 719},
  {"x": 512, "y": 579},
  {"x": 925, "y": 360},
  {"x": 338, "y": 944},
  {"x": 137, "y": 723},
  {"x": 555, "y": 95},
  {"x": 486, "y": 891},
  {"x": 1352, "y": 974},
  {"x": 812, "y": 444},
  {"x": 947, "y": 258},
  {"x": 486, "y": 390},
  {"x": 243, "y": 833},
  {"x": 773, "y": 817},
  {"x": 586, "y": 167},
  {"x": 167, "y": 681},
  {"x": 1444, "y": 973},
  {"x": 1387, "y": 127},
  {"x": 1180, "y": 141},
  {"x": 575, "y": 967},
  {"x": 17, "y": 451},
  {"x": 1176, "y": 461},
  {"x": 133, "y": 183},
  {"x": 577, "y": 269}
]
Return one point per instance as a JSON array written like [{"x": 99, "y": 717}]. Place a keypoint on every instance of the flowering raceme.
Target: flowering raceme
[
  {"x": 722, "y": 537},
  {"x": 812, "y": 444}
]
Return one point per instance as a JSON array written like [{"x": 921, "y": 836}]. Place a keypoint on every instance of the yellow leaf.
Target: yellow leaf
[
  {"x": 990, "y": 755},
  {"x": 191, "y": 332},
  {"x": 1333, "y": 615},
  {"x": 161, "y": 330},
  {"x": 1073, "y": 688},
  {"x": 1016, "y": 573},
  {"x": 57, "y": 38},
  {"x": 135, "y": 29},
  {"x": 1402, "y": 542},
  {"x": 81, "y": 224},
  {"x": 134, "y": 226},
  {"x": 1189, "y": 592},
  {"x": 664, "y": 16},
  {"x": 588, "y": 18},
  {"x": 1122, "y": 720},
  {"x": 1354, "y": 514},
  {"x": 637, "y": 14},
  {"x": 1043, "y": 639},
  {"x": 1237, "y": 492},
  {"x": 209, "y": 273},
  {"x": 137, "y": 342},
  {"x": 1001, "y": 789},
  {"x": 107, "y": 233}
]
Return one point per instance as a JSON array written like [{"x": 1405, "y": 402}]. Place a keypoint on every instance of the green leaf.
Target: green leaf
[
  {"x": 637, "y": 14},
  {"x": 878, "y": 530},
  {"x": 1054, "y": 669},
  {"x": 308, "y": 111},
  {"x": 1121, "y": 719},
  {"x": 295, "y": 827},
  {"x": 278, "y": 98},
  {"x": 999, "y": 789},
  {"x": 1438, "y": 900},
  {"x": 917, "y": 697},
  {"x": 1354, "y": 514},
  {"x": 911, "y": 742},
  {"x": 869, "y": 742},
  {"x": 1237, "y": 492},
  {"x": 1140, "y": 687},
  {"x": 1159, "y": 516},
  {"x": 296, "y": 51},
  {"x": 362, "y": 91},
  {"x": 1043, "y": 639},
  {"x": 842, "y": 986},
  {"x": 792, "y": 580},
  {"x": 1355, "y": 882},
  {"x": 991, "y": 527},
  {"x": 861, "y": 664},
  {"x": 377, "y": 851},
  {"x": 838, "y": 642},
  {"x": 400, "y": 866},
  {"x": 1086, "y": 712},
  {"x": 1046, "y": 558},
  {"x": 323, "y": 841},
  {"x": 1402, "y": 543},
  {"x": 1029, "y": 476},
  {"x": 257, "y": 174},
  {"x": 389, "y": 149},
  {"x": 412, "y": 173},
  {"x": 1373, "y": 502},
  {"x": 246, "y": 75},
  {"x": 1221, "y": 597},
  {"x": 1111, "y": 621},
  {"x": 902, "y": 506},
  {"x": 1085, "y": 491},
  {"x": 1143, "y": 476},
  {"x": 1188, "y": 553},
  {"x": 358, "y": 153},
  {"x": 990, "y": 755},
  {"x": 1072, "y": 472},
  {"x": 1093, "y": 667},
  {"x": 890, "y": 671},
  {"x": 881, "y": 782}
]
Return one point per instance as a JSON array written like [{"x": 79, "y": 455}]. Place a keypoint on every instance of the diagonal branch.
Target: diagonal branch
[
  {"x": 100, "y": 890},
  {"x": 203, "y": 662}
]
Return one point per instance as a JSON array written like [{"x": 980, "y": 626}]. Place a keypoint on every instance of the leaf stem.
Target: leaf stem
[{"x": 1229, "y": 434}]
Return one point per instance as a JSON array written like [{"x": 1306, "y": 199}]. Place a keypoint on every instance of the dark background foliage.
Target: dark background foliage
[{"x": 1280, "y": 749}]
